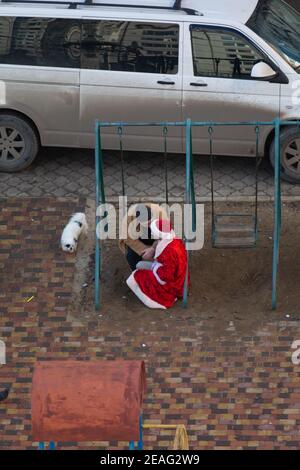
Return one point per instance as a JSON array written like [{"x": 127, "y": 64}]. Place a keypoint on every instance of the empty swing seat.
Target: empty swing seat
[
  {"x": 230, "y": 230},
  {"x": 234, "y": 231}
]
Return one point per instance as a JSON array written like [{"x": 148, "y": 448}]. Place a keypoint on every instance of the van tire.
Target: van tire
[
  {"x": 289, "y": 142},
  {"x": 19, "y": 143}
]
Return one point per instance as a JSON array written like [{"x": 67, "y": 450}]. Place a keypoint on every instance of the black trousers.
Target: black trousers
[{"x": 133, "y": 258}]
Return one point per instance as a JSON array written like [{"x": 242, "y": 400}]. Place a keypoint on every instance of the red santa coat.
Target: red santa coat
[{"x": 161, "y": 287}]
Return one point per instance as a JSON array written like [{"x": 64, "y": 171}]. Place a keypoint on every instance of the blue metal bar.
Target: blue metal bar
[
  {"x": 97, "y": 241},
  {"x": 100, "y": 199},
  {"x": 288, "y": 123},
  {"x": 277, "y": 213},
  {"x": 257, "y": 163},
  {"x": 232, "y": 123},
  {"x": 187, "y": 201},
  {"x": 190, "y": 190},
  {"x": 141, "y": 124},
  {"x": 196, "y": 123},
  {"x": 140, "y": 443},
  {"x": 192, "y": 187},
  {"x": 131, "y": 445},
  {"x": 193, "y": 123}
]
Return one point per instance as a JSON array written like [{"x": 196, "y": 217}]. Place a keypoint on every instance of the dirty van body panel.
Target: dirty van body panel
[
  {"x": 132, "y": 78},
  {"x": 224, "y": 106},
  {"x": 290, "y": 99},
  {"x": 217, "y": 86},
  {"x": 130, "y": 104},
  {"x": 49, "y": 98},
  {"x": 131, "y": 82},
  {"x": 39, "y": 69}
]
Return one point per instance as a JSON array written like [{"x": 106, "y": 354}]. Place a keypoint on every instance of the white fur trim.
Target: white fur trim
[
  {"x": 133, "y": 285},
  {"x": 161, "y": 235},
  {"x": 155, "y": 268},
  {"x": 161, "y": 246}
]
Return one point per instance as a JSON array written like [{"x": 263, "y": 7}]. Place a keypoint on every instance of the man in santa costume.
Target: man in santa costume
[{"x": 159, "y": 283}]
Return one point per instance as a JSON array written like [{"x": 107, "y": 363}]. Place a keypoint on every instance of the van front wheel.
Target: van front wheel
[
  {"x": 19, "y": 143},
  {"x": 290, "y": 154}
]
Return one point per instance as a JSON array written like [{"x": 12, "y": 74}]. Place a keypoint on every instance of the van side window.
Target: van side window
[
  {"x": 53, "y": 42},
  {"x": 222, "y": 53},
  {"x": 130, "y": 46}
]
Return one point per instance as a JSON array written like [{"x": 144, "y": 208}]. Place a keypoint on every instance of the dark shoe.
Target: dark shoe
[{"x": 4, "y": 394}]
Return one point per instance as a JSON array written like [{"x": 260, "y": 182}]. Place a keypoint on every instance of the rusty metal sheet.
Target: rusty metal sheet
[{"x": 87, "y": 401}]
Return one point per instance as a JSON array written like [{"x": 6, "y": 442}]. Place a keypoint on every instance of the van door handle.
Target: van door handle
[
  {"x": 162, "y": 82},
  {"x": 198, "y": 84}
]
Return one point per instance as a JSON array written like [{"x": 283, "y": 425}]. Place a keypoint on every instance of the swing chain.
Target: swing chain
[
  {"x": 257, "y": 132},
  {"x": 165, "y": 134},
  {"x": 120, "y": 133},
  {"x": 258, "y": 161},
  {"x": 211, "y": 131}
]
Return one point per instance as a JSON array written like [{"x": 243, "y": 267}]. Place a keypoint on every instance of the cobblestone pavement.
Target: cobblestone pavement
[
  {"x": 65, "y": 172},
  {"x": 239, "y": 390}
]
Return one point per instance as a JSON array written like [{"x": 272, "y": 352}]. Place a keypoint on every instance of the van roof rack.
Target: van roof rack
[{"x": 74, "y": 5}]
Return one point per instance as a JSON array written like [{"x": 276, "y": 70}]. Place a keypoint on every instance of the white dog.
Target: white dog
[{"x": 72, "y": 231}]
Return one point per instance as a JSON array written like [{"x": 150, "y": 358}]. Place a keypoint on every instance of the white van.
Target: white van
[{"x": 64, "y": 64}]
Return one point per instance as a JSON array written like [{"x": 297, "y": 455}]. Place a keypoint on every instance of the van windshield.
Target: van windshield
[{"x": 278, "y": 24}]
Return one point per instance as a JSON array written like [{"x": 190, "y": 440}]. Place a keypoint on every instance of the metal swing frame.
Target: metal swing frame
[
  {"x": 100, "y": 191},
  {"x": 277, "y": 124}
]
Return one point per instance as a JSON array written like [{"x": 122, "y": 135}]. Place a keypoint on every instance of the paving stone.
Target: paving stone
[
  {"x": 238, "y": 391},
  {"x": 65, "y": 172}
]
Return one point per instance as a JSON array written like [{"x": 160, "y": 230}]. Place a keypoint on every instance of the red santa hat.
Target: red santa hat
[{"x": 162, "y": 229}]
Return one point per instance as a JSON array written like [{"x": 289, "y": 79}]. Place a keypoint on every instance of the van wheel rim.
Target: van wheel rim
[
  {"x": 12, "y": 144},
  {"x": 291, "y": 157}
]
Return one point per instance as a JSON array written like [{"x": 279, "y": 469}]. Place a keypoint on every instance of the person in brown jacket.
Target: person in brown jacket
[{"x": 138, "y": 248}]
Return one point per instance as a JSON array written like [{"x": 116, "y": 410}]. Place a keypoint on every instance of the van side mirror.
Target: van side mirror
[{"x": 263, "y": 71}]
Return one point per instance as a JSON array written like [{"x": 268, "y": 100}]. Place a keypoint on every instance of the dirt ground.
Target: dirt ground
[
  {"x": 231, "y": 288},
  {"x": 222, "y": 367}
]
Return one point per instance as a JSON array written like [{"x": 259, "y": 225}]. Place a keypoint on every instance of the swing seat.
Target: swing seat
[{"x": 234, "y": 231}]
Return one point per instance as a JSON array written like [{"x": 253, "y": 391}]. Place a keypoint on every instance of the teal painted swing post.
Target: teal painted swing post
[
  {"x": 42, "y": 446},
  {"x": 100, "y": 199},
  {"x": 189, "y": 199},
  {"x": 277, "y": 214}
]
